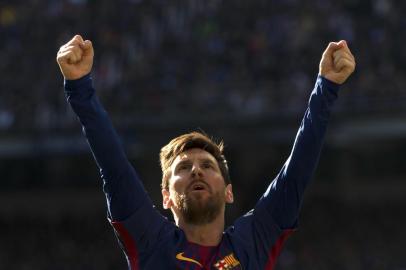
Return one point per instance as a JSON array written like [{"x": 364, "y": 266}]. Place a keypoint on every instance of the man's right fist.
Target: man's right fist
[{"x": 75, "y": 58}]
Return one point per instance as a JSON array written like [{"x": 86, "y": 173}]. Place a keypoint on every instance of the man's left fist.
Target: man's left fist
[{"x": 337, "y": 62}]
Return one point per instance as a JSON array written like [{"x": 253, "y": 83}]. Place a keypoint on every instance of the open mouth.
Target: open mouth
[{"x": 199, "y": 186}]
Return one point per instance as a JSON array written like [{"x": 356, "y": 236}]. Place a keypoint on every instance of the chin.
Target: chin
[{"x": 199, "y": 195}]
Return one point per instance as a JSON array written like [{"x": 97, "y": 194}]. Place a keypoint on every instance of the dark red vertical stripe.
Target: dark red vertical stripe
[
  {"x": 276, "y": 249},
  {"x": 129, "y": 244}
]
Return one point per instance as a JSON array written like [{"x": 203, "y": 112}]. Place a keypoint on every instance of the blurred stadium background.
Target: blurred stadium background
[{"x": 241, "y": 71}]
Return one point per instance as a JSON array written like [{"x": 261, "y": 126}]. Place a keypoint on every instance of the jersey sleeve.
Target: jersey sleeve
[
  {"x": 129, "y": 206},
  {"x": 275, "y": 215},
  {"x": 283, "y": 198}
]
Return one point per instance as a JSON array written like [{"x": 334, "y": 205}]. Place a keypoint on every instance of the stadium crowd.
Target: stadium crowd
[
  {"x": 178, "y": 59},
  {"x": 159, "y": 60}
]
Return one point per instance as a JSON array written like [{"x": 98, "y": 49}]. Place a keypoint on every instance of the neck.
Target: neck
[{"x": 207, "y": 234}]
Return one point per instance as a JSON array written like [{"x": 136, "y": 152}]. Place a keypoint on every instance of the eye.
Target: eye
[
  {"x": 207, "y": 165},
  {"x": 183, "y": 167}
]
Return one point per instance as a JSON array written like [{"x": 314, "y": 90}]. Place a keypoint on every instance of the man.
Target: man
[{"x": 195, "y": 183}]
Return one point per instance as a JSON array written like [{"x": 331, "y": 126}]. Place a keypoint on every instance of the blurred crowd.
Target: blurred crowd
[
  {"x": 161, "y": 60},
  {"x": 338, "y": 236},
  {"x": 184, "y": 58}
]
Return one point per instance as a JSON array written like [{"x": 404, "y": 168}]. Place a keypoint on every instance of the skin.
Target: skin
[
  {"x": 191, "y": 167},
  {"x": 337, "y": 62},
  {"x": 75, "y": 60}
]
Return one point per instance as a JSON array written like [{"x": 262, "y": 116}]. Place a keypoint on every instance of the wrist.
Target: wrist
[
  {"x": 71, "y": 85},
  {"x": 328, "y": 83}
]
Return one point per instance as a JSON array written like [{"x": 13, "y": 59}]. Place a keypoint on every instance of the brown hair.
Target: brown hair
[{"x": 188, "y": 141}]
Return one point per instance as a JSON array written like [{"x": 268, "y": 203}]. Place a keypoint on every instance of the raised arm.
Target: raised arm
[
  {"x": 284, "y": 195},
  {"x": 124, "y": 191},
  {"x": 265, "y": 228}
]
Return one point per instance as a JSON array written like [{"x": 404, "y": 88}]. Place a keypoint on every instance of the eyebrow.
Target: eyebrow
[
  {"x": 183, "y": 162},
  {"x": 207, "y": 160},
  {"x": 188, "y": 162}
]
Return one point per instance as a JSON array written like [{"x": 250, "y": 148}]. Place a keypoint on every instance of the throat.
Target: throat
[{"x": 207, "y": 235}]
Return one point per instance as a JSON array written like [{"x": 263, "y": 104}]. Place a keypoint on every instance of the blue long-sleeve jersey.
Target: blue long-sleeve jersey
[{"x": 151, "y": 242}]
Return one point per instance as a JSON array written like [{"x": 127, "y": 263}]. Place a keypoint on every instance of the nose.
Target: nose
[{"x": 196, "y": 171}]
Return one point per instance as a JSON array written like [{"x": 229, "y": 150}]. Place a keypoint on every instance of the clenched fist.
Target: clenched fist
[
  {"x": 75, "y": 58},
  {"x": 337, "y": 62}
]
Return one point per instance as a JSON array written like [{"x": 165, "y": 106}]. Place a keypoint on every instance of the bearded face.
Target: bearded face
[
  {"x": 199, "y": 209},
  {"x": 197, "y": 192}
]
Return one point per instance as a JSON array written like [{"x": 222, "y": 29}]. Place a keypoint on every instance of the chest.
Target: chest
[{"x": 189, "y": 256}]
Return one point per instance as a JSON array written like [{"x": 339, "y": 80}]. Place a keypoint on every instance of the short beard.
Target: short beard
[{"x": 198, "y": 211}]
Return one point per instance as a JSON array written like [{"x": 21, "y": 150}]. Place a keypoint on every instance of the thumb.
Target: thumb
[
  {"x": 86, "y": 45},
  {"x": 343, "y": 44},
  {"x": 332, "y": 47}
]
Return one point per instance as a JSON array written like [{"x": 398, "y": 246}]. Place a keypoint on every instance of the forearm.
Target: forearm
[
  {"x": 309, "y": 140},
  {"x": 119, "y": 178},
  {"x": 284, "y": 196},
  {"x": 96, "y": 125}
]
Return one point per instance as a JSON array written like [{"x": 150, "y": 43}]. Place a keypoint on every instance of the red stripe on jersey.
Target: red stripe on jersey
[
  {"x": 129, "y": 245},
  {"x": 276, "y": 249}
]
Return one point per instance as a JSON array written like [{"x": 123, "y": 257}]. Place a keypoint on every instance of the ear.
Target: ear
[
  {"x": 166, "y": 200},
  {"x": 229, "y": 194}
]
